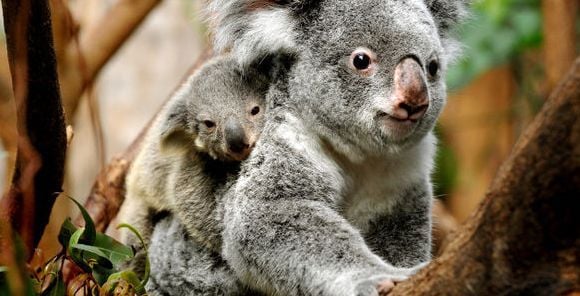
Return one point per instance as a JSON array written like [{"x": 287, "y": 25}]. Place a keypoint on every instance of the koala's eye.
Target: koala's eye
[
  {"x": 362, "y": 60},
  {"x": 433, "y": 68},
  {"x": 255, "y": 110},
  {"x": 209, "y": 123}
]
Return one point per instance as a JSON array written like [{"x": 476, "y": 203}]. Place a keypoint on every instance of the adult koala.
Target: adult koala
[{"x": 335, "y": 198}]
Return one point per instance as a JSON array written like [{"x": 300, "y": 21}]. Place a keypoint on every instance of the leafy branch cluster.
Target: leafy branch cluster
[{"x": 99, "y": 264}]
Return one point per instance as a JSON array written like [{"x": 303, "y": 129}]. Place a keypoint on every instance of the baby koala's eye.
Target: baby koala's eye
[
  {"x": 255, "y": 110},
  {"x": 209, "y": 123},
  {"x": 433, "y": 68},
  {"x": 362, "y": 60}
]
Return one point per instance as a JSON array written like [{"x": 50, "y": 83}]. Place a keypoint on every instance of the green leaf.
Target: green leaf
[
  {"x": 75, "y": 255},
  {"x": 16, "y": 272},
  {"x": 130, "y": 277},
  {"x": 66, "y": 230},
  {"x": 101, "y": 274},
  {"x": 94, "y": 254},
  {"x": 90, "y": 232},
  {"x": 56, "y": 289},
  {"x": 147, "y": 264},
  {"x": 117, "y": 252},
  {"x": 4, "y": 288}
]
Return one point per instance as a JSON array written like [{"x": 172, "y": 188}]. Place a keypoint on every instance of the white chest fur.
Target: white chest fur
[
  {"x": 370, "y": 187},
  {"x": 376, "y": 185}
]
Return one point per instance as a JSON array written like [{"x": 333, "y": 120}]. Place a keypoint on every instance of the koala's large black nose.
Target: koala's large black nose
[{"x": 236, "y": 139}]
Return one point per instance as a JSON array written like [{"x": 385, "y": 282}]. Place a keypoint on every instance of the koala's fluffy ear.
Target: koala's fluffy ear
[
  {"x": 175, "y": 136},
  {"x": 447, "y": 14},
  {"x": 270, "y": 68},
  {"x": 255, "y": 28}
]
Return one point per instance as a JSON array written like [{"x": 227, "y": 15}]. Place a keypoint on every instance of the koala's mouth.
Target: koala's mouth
[
  {"x": 381, "y": 115},
  {"x": 397, "y": 127},
  {"x": 237, "y": 156}
]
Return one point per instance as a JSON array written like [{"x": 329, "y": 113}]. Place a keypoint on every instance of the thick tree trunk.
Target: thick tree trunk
[
  {"x": 525, "y": 237},
  {"x": 39, "y": 170}
]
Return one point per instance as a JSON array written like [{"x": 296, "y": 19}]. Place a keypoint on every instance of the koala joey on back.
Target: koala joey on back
[
  {"x": 335, "y": 198},
  {"x": 195, "y": 144}
]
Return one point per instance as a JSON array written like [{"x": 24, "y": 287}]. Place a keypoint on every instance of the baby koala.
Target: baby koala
[{"x": 195, "y": 144}]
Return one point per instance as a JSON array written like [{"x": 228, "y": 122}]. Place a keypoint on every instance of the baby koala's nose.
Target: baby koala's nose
[
  {"x": 236, "y": 140},
  {"x": 411, "y": 97}
]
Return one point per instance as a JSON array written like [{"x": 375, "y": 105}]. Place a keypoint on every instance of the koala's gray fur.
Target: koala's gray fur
[
  {"x": 184, "y": 164},
  {"x": 332, "y": 200},
  {"x": 181, "y": 266}
]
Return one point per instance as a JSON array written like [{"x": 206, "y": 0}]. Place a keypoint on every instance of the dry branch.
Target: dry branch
[
  {"x": 525, "y": 236},
  {"x": 38, "y": 175},
  {"x": 84, "y": 58}
]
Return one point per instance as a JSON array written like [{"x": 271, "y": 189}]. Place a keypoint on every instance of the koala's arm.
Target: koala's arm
[
  {"x": 283, "y": 234},
  {"x": 403, "y": 236},
  {"x": 181, "y": 266}
]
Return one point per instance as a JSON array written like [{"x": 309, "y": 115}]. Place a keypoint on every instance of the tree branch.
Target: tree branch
[
  {"x": 39, "y": 170},
  {"x": 525, "y": 236},
  {"x": 85, "y": 57}
]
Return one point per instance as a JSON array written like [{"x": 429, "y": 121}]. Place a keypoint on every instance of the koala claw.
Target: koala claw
[
  {"x": 385, "y": 287},
  {"x": 383, "y": 284}
]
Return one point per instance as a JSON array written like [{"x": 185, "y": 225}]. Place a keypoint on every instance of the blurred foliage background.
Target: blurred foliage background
[
  {"x": 497, "y": 32},
  {"x": 514, "y": 51}
]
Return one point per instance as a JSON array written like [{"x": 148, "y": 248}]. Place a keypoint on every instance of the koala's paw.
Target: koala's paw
[
  {"x": 382, "y": 284},
  {"x": 377, "y": 285},
  {"x": 385, "y": 287}
]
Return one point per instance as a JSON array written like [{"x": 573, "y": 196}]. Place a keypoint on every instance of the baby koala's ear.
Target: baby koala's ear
[
  {"x": 175, "y": 135},
  {"x": 272, "y": 66}
]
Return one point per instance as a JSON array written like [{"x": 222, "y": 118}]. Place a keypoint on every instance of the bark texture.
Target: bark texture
[
  {"x": 38, "y": 175},
  {"x": 525, "y": 237}
]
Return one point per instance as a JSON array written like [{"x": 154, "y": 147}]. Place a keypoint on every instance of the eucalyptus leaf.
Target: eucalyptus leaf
[
  {"x": 76, "y": 255},
  {"x": 4, "y": 288},
  {"x": 66, "y": 230},
  {"x": 130, "y": 277},
  {"x": 147, "y": 264},
  {"x": 56, "y": 289},
  {"x": 117, "y": 252},
  {"x": 94, "y": 254},
  {"x": 101, "y": 274},
  {"x": 90, "y": 231}
]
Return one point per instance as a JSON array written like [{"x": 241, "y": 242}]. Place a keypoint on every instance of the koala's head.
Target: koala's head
[
  {"x": 368, "y": 71},
  {"x": 218, "y": 111}
]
